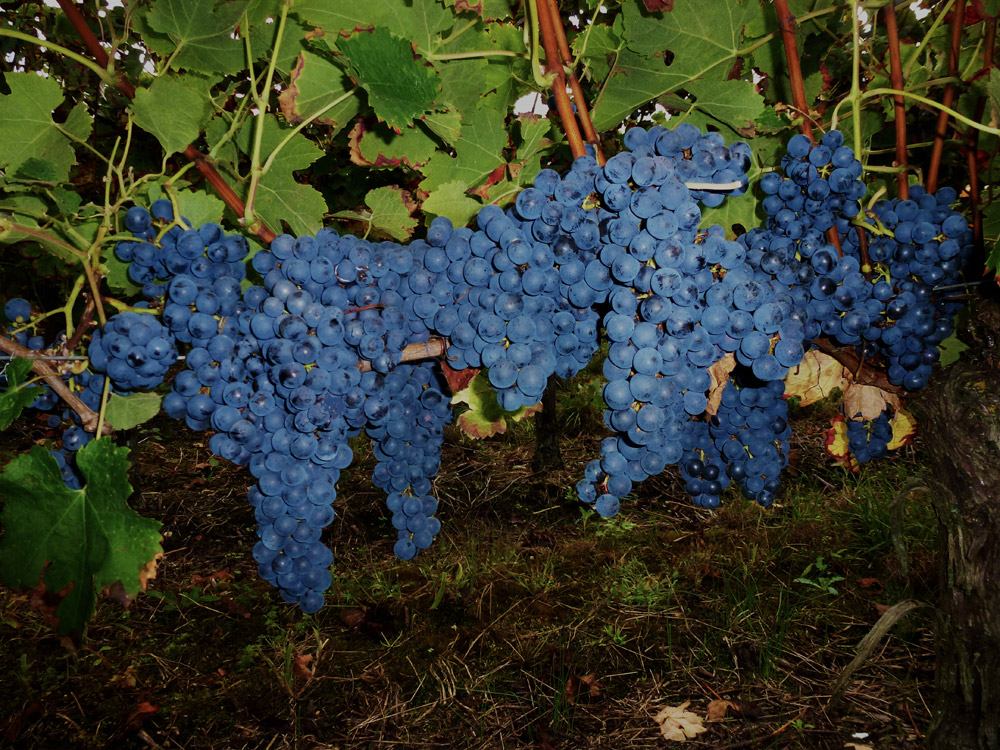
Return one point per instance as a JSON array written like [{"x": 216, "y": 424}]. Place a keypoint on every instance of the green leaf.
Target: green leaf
[
  {"x": 451, "y": 200},
  {"x": 173, "y": 111},
  {"x": 116, "y": 274},
  {"x": 951, "y": 349},
  {"x": 16, "y": 397},
  {"x": 993, "y": 86},
  {"x": 535, "y": 143},
  {"x": 485, "y": 417},
  {"x": 126, "y": 412},
  {"x": 29, "y": 132},
  {"x": 382, "y": 147},
  {"x": 419, "y": 21},
  {"x": 74, "y": 542},
  {"x": 279, "y": 196},
  {"x": 390, "y": 213},
  {"x": 702, "y": 37},
  {"x": 741, "y": 210},
  {"x": 200, "y": 207},
  {"x": 488, "y": 9},
  {"x": 991, "y": 237},
  {"x": 200, "y": 32},
  {"x": 399, "y": 86},
  {"x": 313, "y": 83},
  {"x": 477, "y": 153}
]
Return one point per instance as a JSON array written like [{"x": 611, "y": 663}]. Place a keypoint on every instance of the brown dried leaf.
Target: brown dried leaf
[
  {"x": 678, "y": 724},
  {"x": 655, "y": 5},
  {"x": 867, "y": 401},
  {"x": 352, "y": 617},
  {"x": 458, "y": 380},
  {"x": 719, "y": 372},
  {"x": 717, "y": 709},
  {"x": 300, "y": 668},
  {"x": 139, "y": 714}
]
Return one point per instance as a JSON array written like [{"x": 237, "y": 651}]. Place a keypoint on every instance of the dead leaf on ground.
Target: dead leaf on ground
[
  {"x": 300, "y": 668},
  {"x": 139, "y": 714},
  {"x": 856, "y": 746},
  {"x": 678, "y": 724},
  {"x": 584, "y": 688},
  {"x": 717, "y": 709}
]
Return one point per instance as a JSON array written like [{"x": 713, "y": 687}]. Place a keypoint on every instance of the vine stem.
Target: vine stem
[
  {"x": 204, "y": 166},
  {"x": 569, "y": 66},
  {"x": 972, "y": 138},
  {"x": 896, "y": 76},
  {"x": 864, "y": 374},
  {"x": 101, "y": 72},
  {"x": 941, "y": 131},
  {"x": 88, "y": 417},
  {"x": 546, "y": 25},
  {"x": 414, "y": 352},
  {"x": 855, "y": 97},
  {"x": 870, "y": 93}
]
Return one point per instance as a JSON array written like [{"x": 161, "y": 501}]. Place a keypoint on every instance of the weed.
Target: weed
[
  {"x": 822, "y": 578},
  {"x": 631, "y": 583}
]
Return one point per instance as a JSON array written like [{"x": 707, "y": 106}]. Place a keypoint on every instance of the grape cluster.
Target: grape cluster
[
  {"x": 869, "y": 439},
  {"x": 134, "y": 349}
]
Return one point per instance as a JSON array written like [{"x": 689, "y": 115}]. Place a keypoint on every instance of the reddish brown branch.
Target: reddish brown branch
[
  {"x": 972, "y": 138},
  {"x": 201, "y": 162},
  {"x": 896, "y": 73},
  {"x": 546, "y": 24},
  {"x": 866, "y": 261},
  {"x": 786, "y": 21},
  {"x": 941, "y": 131},
  {"x": 88, "y": 417},
  {"x": 864, "y": 373},
  {"x": 583, "y": 111},
  {"x": 86, "y": 322}
]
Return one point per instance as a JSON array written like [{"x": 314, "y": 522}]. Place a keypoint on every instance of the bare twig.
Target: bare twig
[
  {"x": 546, "y": 25},
  {"x": 896, "y": 65}
]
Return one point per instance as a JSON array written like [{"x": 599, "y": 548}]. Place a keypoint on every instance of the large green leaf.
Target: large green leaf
[
  {"x": 451, "y": 200},
  {"x": 30, "y": 133},
  {"x": 694, "y": 45},
  {"x": 314, "y": 82},
  {"x": 279, "y": 196},
  {"x": 390, "y": 212},
  {"x": 198, "y": 34},
  {"x": 419, "y": 21},
  {"x": 126, "y": 412},
  {"x": 174, "y": 109},
  {"x": 399, "y": 86},
  {"x": 74, "y": 542},
  {"x": 16, "y": 396},
  {"x": 478, "y": 152},
  {"x": 377, "y": 145}
]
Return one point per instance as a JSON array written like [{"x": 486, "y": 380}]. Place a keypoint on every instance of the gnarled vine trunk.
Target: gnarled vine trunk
[
  {"x": 960, "y": 416},
  {"x": 547, "y": 456}
]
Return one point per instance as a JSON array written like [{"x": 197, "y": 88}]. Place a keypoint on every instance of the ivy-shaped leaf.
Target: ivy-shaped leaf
[
  {"x": 477, "y": 153},
  {"x": 376, "y": 145},
  {"x": 451, "y": 200},
  {"x": 29, "y": 132},
  {"x": 420, "y": 22},
  {"x": 314, "y": 82},
  {"x": 75, "y": 543},
  {"x": 173, "y": 110},
  {"x": 198, "y": 34},
  {"x": 399, "y": 86},
  {"x": 126, "y": 412},
  {"x": 390, "y": 212}
]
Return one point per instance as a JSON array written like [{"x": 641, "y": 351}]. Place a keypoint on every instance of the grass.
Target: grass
[{"x": 531, "y": 623}]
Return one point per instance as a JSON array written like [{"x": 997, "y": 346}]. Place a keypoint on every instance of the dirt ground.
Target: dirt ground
[{"x": 530, "y": 623}]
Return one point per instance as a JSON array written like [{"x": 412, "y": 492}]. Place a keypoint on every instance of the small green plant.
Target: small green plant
[
  {"x": 613, "y": 634},
  {"x": 819, "y": 576},
  {"x": 632, "y": 583}
]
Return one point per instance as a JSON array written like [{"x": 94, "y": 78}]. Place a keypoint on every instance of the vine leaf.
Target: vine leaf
[
  {"x": 390, "y": 212},
  {"x": 816, "y": 377},
  {"x": 419, "y": 22},
  {"x": 198, "y": 33},
  {"x": 377, "y": 145},
  {"x": 279, "y": 196},
  {"x": 478, "y": 152},
  {"x": 173, "y": 111},
  {"x": 126, "y": 412},
  {"x": 451, "y": 200},
  {"x": 314, "y": 82},
  {"x": 17, "y": 396},
  {"x": 485, "y": 417},
  {"x": 30, "y": 133},
  {"x": 904, "y": 429},
  {"x": 703, "y": 40},
  {"x": 75, "y": 543},
  {"x": 400, "y": 87},
  {"x": 838, "y": 444}
]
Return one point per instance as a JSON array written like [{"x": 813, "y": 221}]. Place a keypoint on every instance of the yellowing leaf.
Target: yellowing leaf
[
  {"x": 816, "y": 377},
  {"x": 904, "y": 428},
  {"x": 867, "y": 401},
  {"x": 678, "y": 724},
  {"x": 838, "y": 445}
]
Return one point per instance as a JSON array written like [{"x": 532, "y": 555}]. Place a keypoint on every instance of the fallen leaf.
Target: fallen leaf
[
  {"x": 211, "y": 578},
  {"x": 868, "y": 583},
  {"x": 585, "y": 687},
  {"x": 139, "y": 714},
  {"x": 904, "y": 427},
  {"x": 717, "y": 709},
  {"x": 300, "y": 667},
  {"x": 867, "y": 401},
  {"x": 678, "y": 724},
  {"x": 352, "y": 616},
  {"x": 856, "y": 746},
  {"x": 816, "y": 377}
]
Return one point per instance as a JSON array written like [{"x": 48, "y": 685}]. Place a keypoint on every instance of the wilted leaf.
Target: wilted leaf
[
  {"x": 816, "y": 377},
  {"x": 485, "y": 417},
  {"x": 717, "y": 709},
  {"x": 458, "y": 379},
  {"x": 300, "y": 668},
  {"x": 838, "y": 445},
  {"x": 719, "y": 372},
  {"x": 678, "y": 724},
  {"x": 867, "y": 401},
  {"x": 139, "y": 714}
]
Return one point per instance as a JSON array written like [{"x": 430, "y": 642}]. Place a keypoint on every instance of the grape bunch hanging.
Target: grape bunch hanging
[{"x": 285, "y": 372}]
